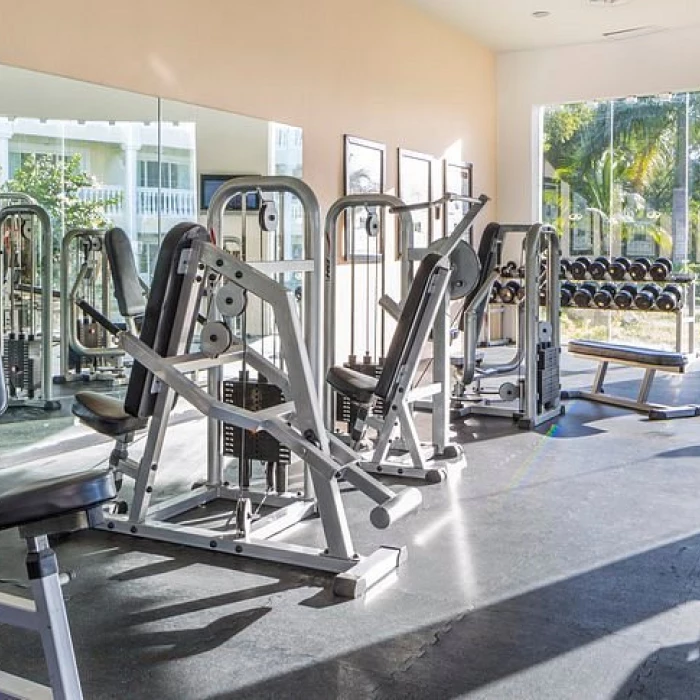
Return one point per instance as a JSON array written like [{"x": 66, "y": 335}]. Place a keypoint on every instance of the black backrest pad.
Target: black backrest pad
[
  {"x": 411, "y": 315},
  {"x": 160, "y": 313},
  {"x": 489, "y": 245},
  {"x": 125, "y": 279}
]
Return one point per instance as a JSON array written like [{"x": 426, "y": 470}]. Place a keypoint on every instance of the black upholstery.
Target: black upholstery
[
  {"x": 356, "y": 386},
  {"x": 404, "y": 337},
  {"x": 489, "y": 245},
  {"x": 627, "y": 353},
  {"x": 27, "y": 496},
  {"x": 127, "y": 288},
  {"x": 160, "y": 313},
  {"x": 105, "y": 414}
]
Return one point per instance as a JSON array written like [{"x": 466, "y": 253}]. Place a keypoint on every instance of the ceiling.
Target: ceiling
[{"x": 508, "y": 25}]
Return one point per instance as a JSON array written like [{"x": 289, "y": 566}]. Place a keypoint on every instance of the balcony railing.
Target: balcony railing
[
  {"x": 112, "y": 197},
  {"x": 150, "y": 201},
  {"x": 176, "y": 203}
]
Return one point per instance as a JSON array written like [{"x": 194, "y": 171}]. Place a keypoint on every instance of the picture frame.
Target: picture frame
[
  {"x": 364, "y": 169},
  {"x": 457, "y": 178},
  {"x": 415, "y": 185}
]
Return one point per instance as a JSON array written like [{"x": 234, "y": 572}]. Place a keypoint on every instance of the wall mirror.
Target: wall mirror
[{"x": 96, "y": 156}]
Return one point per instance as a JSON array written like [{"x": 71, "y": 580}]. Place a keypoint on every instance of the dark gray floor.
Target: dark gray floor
[{"x": 563, "y": 563}]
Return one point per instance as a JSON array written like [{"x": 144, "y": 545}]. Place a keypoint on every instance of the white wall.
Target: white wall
[{"x": 663, "y": 62}]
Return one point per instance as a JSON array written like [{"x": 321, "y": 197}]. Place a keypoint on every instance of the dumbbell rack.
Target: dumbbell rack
[{"x": 685, "y": 313}]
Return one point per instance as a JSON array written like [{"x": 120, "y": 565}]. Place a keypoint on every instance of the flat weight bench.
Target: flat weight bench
[
  {"x": 651, "y": 361},
  {"x": 41, "y": 504}
]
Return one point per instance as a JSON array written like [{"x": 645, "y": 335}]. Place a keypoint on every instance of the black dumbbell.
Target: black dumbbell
[
  {"x": 568, "y": 289},
  {"x": 639, "y": 269},
  {"x": 603, "y": 298},
  {"x": 670, "y": 299},
  {"x": 495, "y": 290},
  {"x": 564, "y": 268},
  {"x": 511, "y": 291},
  {"x": 619, "y": 268},
  {"x": 583, "y": 296},
  {"x": 647, "y": 296},
  {"x": 599, "y": 268},
  {"x": 510, "y": 269},
  {"x": 660, "y": 269},
  {"x": 624, "y": 299},
  {"x": 579, "y": 268}
]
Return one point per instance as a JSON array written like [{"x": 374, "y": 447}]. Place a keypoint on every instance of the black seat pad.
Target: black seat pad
[
  {"x": 105, "y": 414},
  {"x": 356, "y": 386},
  {"x": 627, "y": 353},
  {"x": 27, "y": 496}
]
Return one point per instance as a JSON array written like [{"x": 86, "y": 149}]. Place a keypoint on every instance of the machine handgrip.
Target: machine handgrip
[
  {"x": 94, "y": 314},
  {"x": 403, "y": 503}
]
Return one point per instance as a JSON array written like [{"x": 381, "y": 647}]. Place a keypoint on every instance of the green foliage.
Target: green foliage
[{"x": 55, "y": 184}]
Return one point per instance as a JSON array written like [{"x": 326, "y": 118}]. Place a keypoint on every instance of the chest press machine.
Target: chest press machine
[
  {"x": 189, "y": 267},
  {"x": 40, "y": 504},
  {"x": 397, "y": 449}
]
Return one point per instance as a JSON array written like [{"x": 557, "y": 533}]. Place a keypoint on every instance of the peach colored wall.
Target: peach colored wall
[{"x": 378, "y": 69}]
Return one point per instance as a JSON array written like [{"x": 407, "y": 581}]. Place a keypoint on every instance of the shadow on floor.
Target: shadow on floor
[{"x": 486, "y": 645}]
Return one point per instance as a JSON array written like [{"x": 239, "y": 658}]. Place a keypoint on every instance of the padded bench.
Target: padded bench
[{"x": 648, "y": 359}]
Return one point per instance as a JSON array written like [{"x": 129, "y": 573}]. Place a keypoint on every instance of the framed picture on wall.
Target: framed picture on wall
[
  {"x": 415, "y": 186},
  {"x": 365, "y": 168},
  {"x": 457, "y": 179}
]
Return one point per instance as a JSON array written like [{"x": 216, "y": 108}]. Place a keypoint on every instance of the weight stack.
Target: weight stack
[
  {"x": 548, "y": 387},
  {"x": 345, "y": 410},
  {"x": 253, "y": 395},
  {"x": 22, "y": 365}
]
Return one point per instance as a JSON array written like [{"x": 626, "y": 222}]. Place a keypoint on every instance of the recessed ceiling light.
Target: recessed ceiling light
[
  {"x": 541, "y": 14},
  {"x": 606, "y": 3}
]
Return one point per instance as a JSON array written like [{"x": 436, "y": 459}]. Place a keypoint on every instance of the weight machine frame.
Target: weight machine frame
[
  {"x": 533, "y": 331},
  {"x": 46, "y": 262}
]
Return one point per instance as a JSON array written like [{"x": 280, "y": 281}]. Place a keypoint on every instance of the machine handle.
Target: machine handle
[
  {"x": 95, "y": 315},
  {"x": 404, "y": 502}
]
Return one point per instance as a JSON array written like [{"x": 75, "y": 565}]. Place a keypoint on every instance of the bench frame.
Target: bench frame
[{"x": 655, "y": 411}]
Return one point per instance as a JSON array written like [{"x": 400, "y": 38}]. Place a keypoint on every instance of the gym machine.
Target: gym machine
[
  {"x": 535, "y": 397},
  {"x": 39, "y": 506},
  {"x": 85, "y": 275},
  {"x": 380, "y": 392},
  {"x": 190, "y": 269},
  {"x": 26, "y": 282}
]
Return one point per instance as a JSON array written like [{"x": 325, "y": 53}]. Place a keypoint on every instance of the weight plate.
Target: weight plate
[
  {"x": 267, "y": 216},
  {"x": 372, "y": 224}
]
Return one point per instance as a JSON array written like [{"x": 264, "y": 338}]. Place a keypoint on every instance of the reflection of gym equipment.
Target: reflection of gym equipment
[
  {"x": 619, "y": 268},
  {"x": 624, "y": 298},
  {"x": 535, "y": 398},
  {"x": 639, "y": 269},
  {"x": 670, "y": 298},
  {"x": 583, "y": 296},
  {"x": 567, "y": 293},
  {"x": 384, "y": 400},
  {"x": 646, "y": 297},
  {"x": 661, "y": 269},
  {"x": 598, "y": 269},
  {"x": 39, "y": 506},
  {"x": 87, "y": 351},
  {"x": 579, "y": 268},
  {"x": 187, "y": 267},
  {"x": 603, "y": 298},
  {"x": 26, "y": 283}
]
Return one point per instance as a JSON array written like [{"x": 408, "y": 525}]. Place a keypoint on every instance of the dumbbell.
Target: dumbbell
[
  {"x": 564, "y": 268},
  {"x": 511, "y": 291},
  {"x": 568, "y": 290},
  {"x": 619, "y": 268},
  {"x": 599, "y": 268},
  {"x": 624, "y": 299},
  {"x": 639, "y": 269},
  {"x": 495, "y": 291},
  {"x": 660, "y": 269},
  {"x": 583, "y": 296},
  {"x": 510, "y": 269},
  {"x": 647, "y": 296},
  {"x": 670, "y": 299},
  {"x": 603, "y": 298},
  {"x": 579, "y": 268}
]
